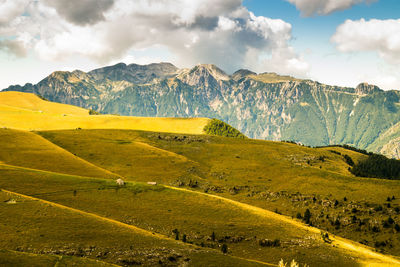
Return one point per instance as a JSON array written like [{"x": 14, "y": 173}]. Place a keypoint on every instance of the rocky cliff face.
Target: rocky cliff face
[{"x": 265, "y": 106}]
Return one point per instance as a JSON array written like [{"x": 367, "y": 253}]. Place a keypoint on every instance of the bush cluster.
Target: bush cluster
[
  {"x": 93, "y": 112},
  {"x": 220, "y": 128},
  {"x": 377, "y": 166}
]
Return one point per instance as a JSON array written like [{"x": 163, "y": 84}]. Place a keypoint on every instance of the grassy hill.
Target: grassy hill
[
  {"x": 56, "y": 229},
  {"x": 60, "y": 203},
  {"x": 30, "y": 112},
  {"x": 17, "y": 258},
  {"x": 180, "y": 161}
]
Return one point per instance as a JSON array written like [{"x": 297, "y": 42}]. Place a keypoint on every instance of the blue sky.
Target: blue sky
[
  {"x": 312, "y": 36},
  {"x": 335, "y": 42}
]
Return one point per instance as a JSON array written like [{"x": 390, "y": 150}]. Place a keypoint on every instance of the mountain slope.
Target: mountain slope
[{"x": 266, "y": 106}]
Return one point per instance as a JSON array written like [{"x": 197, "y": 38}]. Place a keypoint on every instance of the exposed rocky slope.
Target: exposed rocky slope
[{"x": 266, "y": 106}]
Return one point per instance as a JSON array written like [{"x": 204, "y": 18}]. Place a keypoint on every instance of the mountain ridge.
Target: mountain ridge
[{"x": 264, "y": 106}]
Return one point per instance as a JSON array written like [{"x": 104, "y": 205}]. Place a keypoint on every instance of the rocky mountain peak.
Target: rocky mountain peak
[
  {"x": 212, "y": 70},
  {"x": 134, "y": 73},
  {"x": 365, "y": 88},
  {"x": 205, "y": 74},
  {"x": 241, "y": 74}
]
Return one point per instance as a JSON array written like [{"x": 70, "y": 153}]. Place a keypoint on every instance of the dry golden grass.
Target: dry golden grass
[
  {"x": 18, "y": 258},
  {"x": 25, "y": 111},
  {"x": 29, "y": 150},
  {"x": 161, "y": 209},
  {"x": 31, "y": 102},
  {"x": 44, "y": 227},
  {"x": 272, "y": 78}
]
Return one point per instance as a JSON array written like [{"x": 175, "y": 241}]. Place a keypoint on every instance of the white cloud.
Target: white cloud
[
  {"x": 189, "y": 30},
  {"x": 381, "y": 36},
  {"x": 373, "y": 36},
  {"x": 10, "y": 9},
  {"x": 324, "y": 7}
]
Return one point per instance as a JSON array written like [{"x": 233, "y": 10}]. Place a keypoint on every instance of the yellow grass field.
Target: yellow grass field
[{"x": 25, "y": 111}]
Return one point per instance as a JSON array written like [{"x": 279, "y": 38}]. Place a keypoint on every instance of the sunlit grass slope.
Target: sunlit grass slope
[
  {"x": 272, "y": 78},
  {"x": 126, "y": 153},
  {"x": 281, "y": 177},
  {"x": 42, "y": 228},
  {"x": 161, "y": 210},
  {"x": 32, "y": 151},
  {"x": 31, "y": 102},
  {"x": 17, "y": 258},
  {"x": 27, "y": 111}
]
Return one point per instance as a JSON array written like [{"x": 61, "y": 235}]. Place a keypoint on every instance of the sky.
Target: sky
[{"x": 337, "y": 42}]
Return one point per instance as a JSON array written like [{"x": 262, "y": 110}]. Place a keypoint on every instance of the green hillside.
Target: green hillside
[{"x": 211, "y": 192}]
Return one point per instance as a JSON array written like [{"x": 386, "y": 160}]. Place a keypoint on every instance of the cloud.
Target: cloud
[
  {"x": 381, "y": 36},
  {"x": 82, "y": 12},
  {"x": 104, "y": 31},
  {"x": 13, "y": 47},
  {"x": 323, "y": 7},
  {"x": 10, "y": 9}
]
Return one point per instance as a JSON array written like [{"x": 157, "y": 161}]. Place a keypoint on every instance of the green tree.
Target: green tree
[
  {"x": 224, "y": 248},
  {"x": 307, "y": 216},
  {"x": 176, "y": 232}
]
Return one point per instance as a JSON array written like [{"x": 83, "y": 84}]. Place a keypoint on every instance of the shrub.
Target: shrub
[
  {"x": 348, "y": 160},
  {"x": 307, "y": 216},
  {"x": 337, "y": 223},
  {"x": 269, "y": 243},
  {"x": 220, "y": 128},
  {"x": 378, "y": 208},
  {"x": 93, "y": 112},
  {"x": 213, "y": 236},
  {"x": 176, "y": 232},
  {"x": 41, "y": 97},
  {"x": 380, "y": 244},
  {"x": 224, "y": 248},
  {"x": 335, "y": 152},
  {"x": 375, "y": 229},
  {"x": 325, "y": 237}
]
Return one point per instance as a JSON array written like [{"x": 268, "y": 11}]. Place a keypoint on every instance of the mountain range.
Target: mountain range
[{"x": 263, "y": 106}]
